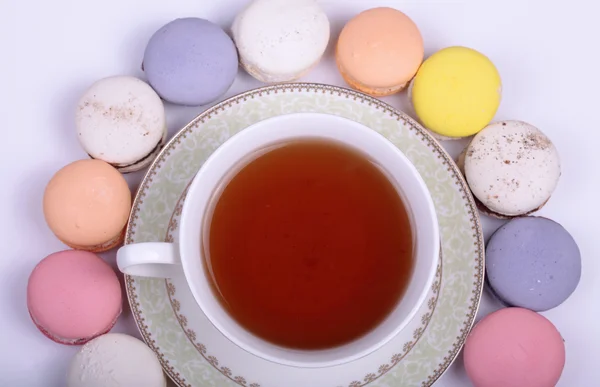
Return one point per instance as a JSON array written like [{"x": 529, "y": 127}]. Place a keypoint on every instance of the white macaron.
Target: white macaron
[
  {"x": 511, "y": 167},
  {"x": 115, "y": 360},
  {"x": 121, "y": 120},
  {"x": 280, "y": 40}
]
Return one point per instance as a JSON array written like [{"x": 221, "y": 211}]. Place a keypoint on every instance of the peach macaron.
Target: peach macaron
[
  {"x": 379, "y": 51},
  {"x": 73, "y": 296},
  {"x": 87, "y": 204}
]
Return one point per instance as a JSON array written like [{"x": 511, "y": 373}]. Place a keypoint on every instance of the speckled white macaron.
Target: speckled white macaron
[
  {"x": 121, "y": 120},
  {"x": 512, "y": 168},
  {"x": 280, "y": 40},
  {"x": 115, "y": 360}
]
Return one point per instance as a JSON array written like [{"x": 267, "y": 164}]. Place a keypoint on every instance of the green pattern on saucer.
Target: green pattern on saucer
[{"x": 442, "y": 335}]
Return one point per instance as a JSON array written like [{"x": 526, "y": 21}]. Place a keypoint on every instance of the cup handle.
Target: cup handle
[{"x": 150, "y": 259}]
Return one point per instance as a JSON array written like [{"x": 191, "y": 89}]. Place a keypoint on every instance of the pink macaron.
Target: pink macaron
[
  {"x": 514, "y": 347},
  {"x": 73, "y": 296}
]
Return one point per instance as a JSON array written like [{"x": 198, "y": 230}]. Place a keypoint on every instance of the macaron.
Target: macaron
[
  {"x": 456, "y": 92},
  {"x": 379, "y": 51},
  {"x": 533, "y": 263},
  {"x": 121, "y": 120},
  {"x": 514, "y": 347},
  {"x": 73, "y": 296},
  {"x": 280, "y": 41},
  {"x": 87, "y": 204},
  {"x": 512, "y": 168},
  {"x": 115, "y": 360},
  {"x": 190, "y": 61}
]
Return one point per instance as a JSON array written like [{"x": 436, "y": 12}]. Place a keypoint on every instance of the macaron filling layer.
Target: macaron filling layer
[
  {"x": 68, "y": 340},
  {"x": 141, "y": 163},
  {"x": 377, "y": 92},
  {"x": 111, "y": 244}
]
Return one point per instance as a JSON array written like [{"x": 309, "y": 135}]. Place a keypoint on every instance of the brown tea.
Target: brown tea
[{"x": 310, "y": 245}]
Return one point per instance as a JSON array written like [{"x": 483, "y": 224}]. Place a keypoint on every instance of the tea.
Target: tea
[{"x": 310, "y": 245}]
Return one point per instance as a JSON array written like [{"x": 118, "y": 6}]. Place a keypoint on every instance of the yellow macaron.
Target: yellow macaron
[{"x": 456, "y": 92}]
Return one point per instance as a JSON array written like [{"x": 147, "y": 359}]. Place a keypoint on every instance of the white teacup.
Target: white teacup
[{"x": 163, "y": 260}]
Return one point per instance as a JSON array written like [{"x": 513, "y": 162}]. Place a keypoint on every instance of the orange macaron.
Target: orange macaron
[
  {"x": 379, "y": 51},
  {"x": 87, "y": 204}
]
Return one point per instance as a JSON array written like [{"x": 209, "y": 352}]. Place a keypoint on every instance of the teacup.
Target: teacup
[{"x": 164, "y": 260}]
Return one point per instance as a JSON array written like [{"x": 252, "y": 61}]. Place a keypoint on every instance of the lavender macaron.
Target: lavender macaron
[
  {"x": 190, "y": 61},
  {"x": 533, "y": 262}
]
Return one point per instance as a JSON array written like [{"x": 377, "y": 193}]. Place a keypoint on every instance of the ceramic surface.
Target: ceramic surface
[{"x": 192, "y": 351}]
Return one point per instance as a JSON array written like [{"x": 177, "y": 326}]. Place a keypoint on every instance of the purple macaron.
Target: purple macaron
[
  {"x": 190, "y": 61},
  {"x": 533, "y": 262}
]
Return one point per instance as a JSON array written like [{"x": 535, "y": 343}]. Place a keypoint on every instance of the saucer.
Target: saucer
[{"x": 194, "y": 354}]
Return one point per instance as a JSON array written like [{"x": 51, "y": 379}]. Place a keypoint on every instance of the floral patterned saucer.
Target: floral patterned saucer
[{"x": 194, "y": 354}]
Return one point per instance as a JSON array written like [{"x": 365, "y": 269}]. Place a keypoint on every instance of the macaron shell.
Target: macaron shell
[
  {"x": 514, "y": 347},
  {"x": 435, "y": 135},
  {"x": 512, "y": 168},
  {"x": 190, "y": 61},
  {"x": 456, "y": 92},
  {"x": 533, "y": 262},
  {"x": 73, "y": 296},
  {"x": 115, "y": 360},
  {"x": 380, "y": 48},
  {"x": 87, "y": 203},
  {"x": 121, "y": 120},
  {"x": 460, "y": 163},
  {"x": 280, "y": 41}
]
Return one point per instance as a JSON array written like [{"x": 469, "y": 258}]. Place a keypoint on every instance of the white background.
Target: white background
[{"x": 52, "y": 50}]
